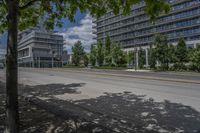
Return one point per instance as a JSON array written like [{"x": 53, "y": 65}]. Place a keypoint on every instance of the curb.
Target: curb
[{"x": 137, "y": 77}]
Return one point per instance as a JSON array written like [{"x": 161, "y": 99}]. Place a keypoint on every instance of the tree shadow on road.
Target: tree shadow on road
[
  {"x": 134, "y": 113},
  {"x": 39, "y": 116},
  {"x": 112, "y": 112},
  {"x": 50, "y": 90}
]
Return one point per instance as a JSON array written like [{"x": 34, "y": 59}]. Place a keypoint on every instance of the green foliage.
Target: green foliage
[
  {"x": 181, "y": 51},
  {"x": 130, "y": 57},
  {"x": 162, "y": 51},
  {"x": 86, "y": 60},
  {"x": 77, "y": 53},
  {"x": 155, "y": 7},
  {"x": 141, "y": 58},
  {"x": 93, "y": 54},
  {"x": 171, "y": 53},
  {"x": 181, "y": 54},
  {"x": 118, "y": 56},
  {"x": 55, "y": 10},
  {"x": 108, "y": 58},
  {"x": 195, "y": 59},
  {"x": 152, "y": 58},
  {"x": 100, "y": 54}
]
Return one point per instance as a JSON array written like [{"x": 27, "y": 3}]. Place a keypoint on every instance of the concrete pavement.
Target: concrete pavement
[
  {"x": 113, "y": 100},
  {"x": 96, "y": 84}
]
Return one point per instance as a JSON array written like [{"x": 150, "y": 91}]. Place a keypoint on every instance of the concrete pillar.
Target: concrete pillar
[
  {"x": 136, "y": 59},
  {"x": 157, "y": 64},
  {"x": 39, "y": 62},
  {"x": 52, "y": 62},
  {"x": 33, "y": 65},
  {"x": 147, "y": 57},
  {"x": 128, "y": 57},
  {"x": 195, "y": 45}
]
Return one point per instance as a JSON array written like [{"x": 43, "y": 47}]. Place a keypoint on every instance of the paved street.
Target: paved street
[
  {"x": 97, "y": 83},
  {"x": 114, "y": 93}
]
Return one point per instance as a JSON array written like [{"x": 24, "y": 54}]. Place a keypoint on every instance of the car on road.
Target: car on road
[{"x": 1, "y": 66}]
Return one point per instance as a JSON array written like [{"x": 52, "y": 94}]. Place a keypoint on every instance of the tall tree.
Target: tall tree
[
  {"x": 152, "y": 58},
  {"x": 77, "y": 53},
  {"x": 161, "y": 51},
  {"x": 141, "y": 58},
  {"x": 195, "y": 58},
  {"x": 118, "y": 56},
  {"x": 108, "y": 58},
  {"x": 93, "y": 54},
  {"x": 130, "y": 58},
  {"x": 100, "y": 54},
  {"x": 181, "y": 51},
  {"x": 171, "y": 53},
  {"x": 20, "y": 14}
]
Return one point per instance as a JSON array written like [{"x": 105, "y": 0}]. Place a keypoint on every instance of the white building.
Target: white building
[
  {"x": 2, "y": 54},
  {"x": 38, "y": 48}
]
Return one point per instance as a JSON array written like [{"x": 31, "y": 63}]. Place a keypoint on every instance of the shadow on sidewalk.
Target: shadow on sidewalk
[
  {"x": 134, "y": 113},
  {"x": 50, "y": 90},
  {"x": 113, "y": 112}
]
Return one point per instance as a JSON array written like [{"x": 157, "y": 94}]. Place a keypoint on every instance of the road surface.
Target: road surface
[{"x": 95, "y": 84}]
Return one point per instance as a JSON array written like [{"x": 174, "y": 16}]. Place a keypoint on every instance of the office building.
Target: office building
[
  {"x": 38, "y": 48},
  {"x": 2, "y": 54},
  {"x": 2, "y": 47},
  {"x": 136, "y": 30}
]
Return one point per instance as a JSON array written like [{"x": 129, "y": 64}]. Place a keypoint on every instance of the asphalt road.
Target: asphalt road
[{"x": 95, "y": 84}]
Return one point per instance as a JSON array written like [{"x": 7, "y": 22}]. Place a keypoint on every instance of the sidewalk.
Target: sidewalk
[
  {"x": 39, "y": 116},
  {"x": 149, "y": 75},
  {"x": 110, "y": 113}
]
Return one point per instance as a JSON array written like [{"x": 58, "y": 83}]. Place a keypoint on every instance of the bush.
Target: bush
[
  {"x": 195, "y": 59},
  {"x": 179, "y": 66}
]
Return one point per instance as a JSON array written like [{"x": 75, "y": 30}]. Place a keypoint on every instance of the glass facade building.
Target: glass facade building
[
  {"x": 38, "y": 48},
  {"x": 2, "y": 54},
  {"x": 136, "y": 29}
]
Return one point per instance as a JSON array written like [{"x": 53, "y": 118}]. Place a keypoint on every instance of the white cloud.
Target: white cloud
[{"x": 81, "y": 33}]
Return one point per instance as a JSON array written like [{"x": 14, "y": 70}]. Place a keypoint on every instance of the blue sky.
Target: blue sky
[
  {"x": 3, "y": 41},
  {"x": 81, "y": 30},
  {"x": 68, "y": 24}
]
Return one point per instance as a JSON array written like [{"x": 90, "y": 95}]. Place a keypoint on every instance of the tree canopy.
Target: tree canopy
[
  {"x": 77, "y": 53},
  {"x": 181, "y": 51},
  {"x": 100, "y": 54},
  {"x": 108, "y": 58},
  {"x": 53, "y": 11},
  {"x": 161, "y": 50},
  {"x": 93, "y": 54}
]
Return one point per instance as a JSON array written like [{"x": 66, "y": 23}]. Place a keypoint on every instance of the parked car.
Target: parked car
[{"x": 1, "y": 66}]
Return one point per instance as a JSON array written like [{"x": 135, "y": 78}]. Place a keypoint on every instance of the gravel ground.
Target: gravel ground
[{"x": 123, "y": 112}]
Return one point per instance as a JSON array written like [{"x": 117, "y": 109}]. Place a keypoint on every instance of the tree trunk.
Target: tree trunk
[{"x": 12, "y": 117}]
